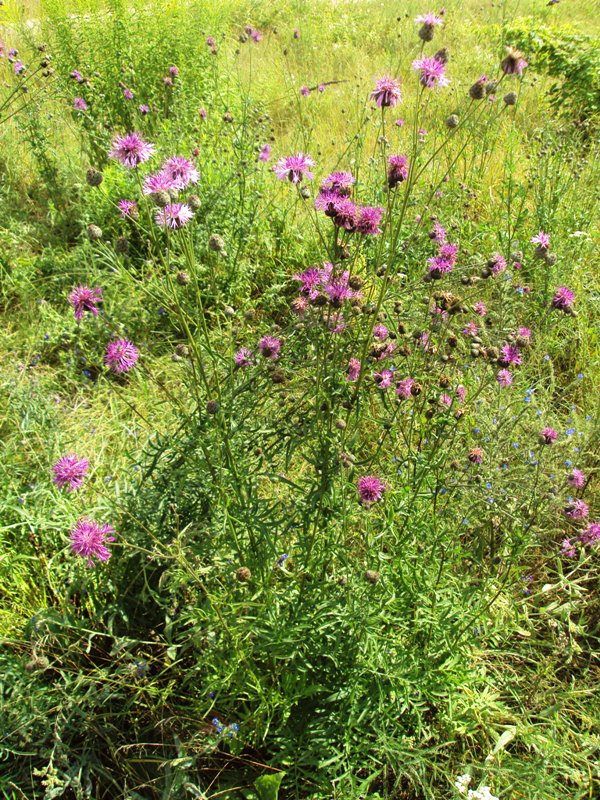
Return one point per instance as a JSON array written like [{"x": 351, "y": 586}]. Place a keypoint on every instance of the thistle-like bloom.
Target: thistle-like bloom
[
  {"x": 174, "y": 215},
  {"x": 269, "y": 347},
  {"x": 438, "y": 233},
  {"x": 368, "y": 220},
  {"x": 370, "y": 489},
  {"x": 127, "y": 94},
  {"x": 386, "y": 93},
  {"x": 380, "y": 332},
  {"x": 563, "y": 298},
  {"x": 509, "y": 354},
  {"x": 304, "y": 91},
  {"x": 567, "y": 548},
  {"x": 591, "y": 535},
  {"x": 88, "y": 540},
  {"x": 79, "y": 104},
  {"x": 576, "y": 478},
  {"x": 514, "y": 63},
  {"x": 576, "y": 509},
  {"x": 83, "y": 298},
  {"x": 384, "y": 378},
  {"x": 548, "y": 436},
  {"x": 338, "y": 183},
  {"x": 121, "y": 355},
  {"x": 353, "y": 371},
  {"x": 69, "y": 471},
  {"x": 294, "y": 168},
  {"x": 144, "y": 109},
  {"x": 174, "y": 71},
  {"x": 404, "y": 388},
  {"x": 432, "y": 72},
  {"x": 181, "y": 171},
  {"x": 397, "y": 170},
  {"x": 128, "y": 208},
  {"x": 429, "y": 19},
  {"x": 542, "y": 240},
  {"x": 504, "y": 378},
  {"x": 243, "y": 357},
  {"x": 131, "y": 150},
  {"x": 524, "y": 333},
  {"x": 19, "y": 67},
  {"x": 77, "y": 76},
  {"x": 346, "y": 214},
  {"x": 445, "y": 400},
  {"x": 497, "y": 264},
  {"x": 265, "y": 153},
  {"x": 160, "y": 182},
  {"x": 480, "y": 308},
  {"x": 461, "y": 393}
]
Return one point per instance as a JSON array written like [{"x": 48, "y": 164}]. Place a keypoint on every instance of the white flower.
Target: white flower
[
  {"x": 483, "y": 793},
  {"x": 462, "y": 782}
]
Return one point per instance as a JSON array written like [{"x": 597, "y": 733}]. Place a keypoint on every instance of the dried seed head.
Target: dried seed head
[
  {"x": 452, "y": 121},
  {"x": 94, "y": 233},
  {"x": 372, "y": 576},
  {"x": 243, "y": 574},
  {"x": 93, "y": 177}
]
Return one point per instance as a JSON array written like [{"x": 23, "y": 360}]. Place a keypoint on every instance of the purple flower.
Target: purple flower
[
  {"x": 144, "y": 109},
  {"x": 368, "y": 220},
  {"x": 563, "y": 299},
  {"x": 321, "y": 88},
  {"x": 131, "y": 150},
  {"x": 576, "y": 478},
  {"x": 509, "y": 354},
  {"x": 243, "y": 357},
  {"x": 294, "y": 168},
  {"x": 432, "y": 72},
  {"x": 504, "y": 378},
  {"x": 159, "y": 182},
  {"x": 338, "y": 183},
  {"x": 446, "y": 400},
  {"x": 429, "y": 19},
  {"x": 127, "y": 207},
  {"x": 121, "y": 355},
  {"x": 542, "y": 240},
  {"x": 470, "y": 329},
  {"x": 576, "y": 509},
  {"x": 174, "y": 71},
  {"x": 77, "y": 76},
  {"x": 386, "y": 93},
  {"x": 524, "y": 333},
  {"x": 181, "y": 171},
  {"x": 548, "y": 436},
  {"x": 591, "y": 535},
  {"x": 404, "y": 388},
  {"x": 265, "y": 153},
  {"x": 370, "y": 489},
  {"x": 174, "y": 215},
  {"x": 353, "y": 371},
  {"x": 497, "y": 264},
  {"x": 203, "y": 113},
  {"x": 304, "y": 91},
  {"x": 19, "y": 67},
  {"x": 439, "y": 234},
  {"x": 82, "y": 298},
  {"x": 255, "y": 35},
  {"x": 69, "y": 471},
  {"x": 211, "y": 41},
  {"x": 461, "y": 393},
  {"x": 346, "y": 214},
  {"x": 127, "y": 94},
  {"x": 476, "y": 455},
  {"x": 384, "y": 378},
  {"x": 567, "y": 548},
  {"x": 88, "y": 540},
  {"x": 397, "y": 171},
  {"x": 480, "y": 308},
  {"x": 380, "y": 332},
  {"x": 269, "y": 347},
  {"x": 80, "y": 104},
  {"x": 514, "y": 63}
]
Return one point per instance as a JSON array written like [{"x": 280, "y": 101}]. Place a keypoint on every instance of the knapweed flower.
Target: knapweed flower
[
  {"x": 445, "y": 400},
  {"x": 131, "y": 150},
  {"x": 439, "y": 234},
  {"x": 181, "y": 171},
  {"x": 384, "y": 378},
  {"x": 397, "y": 170},
  {"x": 88, "y": 540},
  {"x": 476, "y": 455},
  {"x": 144, "y": 109},
  {"x": 576, "y": 509},
  {"x": 428, "y": 22},
  {"x": 548, "y": 436},
  {"x": 128, "y": 208},
  {"x": 84, "y": 298},
  {"x": 353, "y": 370},
  {"x": 174, "y": 71},
  {"x": 380, "y": 332},
  {"x": 210, "y": 41},
  {"x": 159, "y": 182},
  {"x": 563, "y": 299},
  {"x": 524, "y": 333},
  {"x": 339, "y": 183},
  {"x": 470, "y": 329},
  {"x": 509, "y": 354},
  {"x": 304, "y": 91},
  {"x": 269, "y": 347},
  {"x": 432, "y": 72},
  {"x": 76, "y": 76},
  {"x": 368, "y": 220},
  {"x": 321, "y": 88},
  {"x": 591, "y": 535},
  {"x": 254, "y": 34},
  {"x": 79, "y": 104},
  {"x": 497, "y": 264},
  {"x": 480, "y": 309},
  {"x": 404, "y": 388},
  {"x": 69, "y": 471},
  {"x": 542, "y": 240},
  {"x": 567, "y": 548},
  {"x": 576, "y": 478},
  {"x": 386, "y": 93},
  {"x": 19, "y": 68},
  {"x": 461, "y": 393},
  {"x": 294, "y": 168},
  {"x": 370, "y": 489},
  {"x": 174, "y": 215},
  {"x": 514, "y": 63},
  {"x": 121, "y": 355},
  {"x": 504, "y": 378},
  {"x": 243, "y": 357},
  {"x": 265, "y": 153}
]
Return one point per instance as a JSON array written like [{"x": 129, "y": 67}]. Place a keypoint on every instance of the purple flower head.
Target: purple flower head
[
  {"x": 548, "y": 436},
  {"x": 77, "y": 76},
  {"x": 370, "y": 489},
  {"x": 127, "y": 94},
  {"x": 514, "y": 63},
  {"x": 353, "y": 371},
  {"x": 174, "y": 71},
  {"x": 80, "y": 104},
  {"x": 311, "y": 280},
  {"x": 368, "y": 220},
  {"x": 181, "y": 171},
  {"x": 429, "y": 19},
  {"x": 19, "y": 67},
  {"x": 461, "y": 393},
  {"x": 542, "y": 240},
  {"x": 567, "y": 548},
  {"x": 386, "y": 93},
  {"x": 432, "y": 72},
  {"x": 563, "y": 299},
  {"x": 121, "y": 355},
  {"x": 321, "y": 88},
  {"x": 83, "y": 298},
  {"x": 497, "y": 264},
  {"x": 439, "y": 234},
  {"x": 470, "y": 329},
  {"x": 254, "y": 34},
  {"x": 591, "y": 535},
  {"x": 203, "y": 113},
  {"x": 328, "y": 202},
  {"x": 338, "y": 182},
  {"x": 338, "y": 290},
  {"x": 88, "y": 540},
  {"x": 69, "y": 471},
  {"x": 476, "y": 455},
  {"x": 265, "y": 153},
  {"x": 504, "y": 378},
  {"x": 211, "y": 41},
  {"x": 380, "y": 332},
  {"x": 243, "y": 357},
  {"x": 404, "y": 388},
  {"x": 445, "y": 400},
  {"x": 346, "y": 214},
  {"x": 509, "y": 354},
  {"x": 384, "y": 378},
  {"x": 269, "y": 347},
  {"x": 480, "y": 308},
  {"x": 304, "y": 91},
  {"x": 576, "y": 509},
  {"x": 144, "y": 109},
  {"x": 159, "y": 182},
  {"x": 438, "y": 266},
  {"x": 576, "y": 478},
  {"x": 524, "y": 333},
  {"x": 174, "y": 215},
  {"x": 127, "y": 207},
  {"x": 294, "y": 168},
  {"x": 397, "y": 170},
  {"x": 131, "y": 150}
]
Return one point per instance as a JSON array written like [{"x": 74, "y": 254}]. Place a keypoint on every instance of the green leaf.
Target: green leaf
[{"x": 267, "y": 786}]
